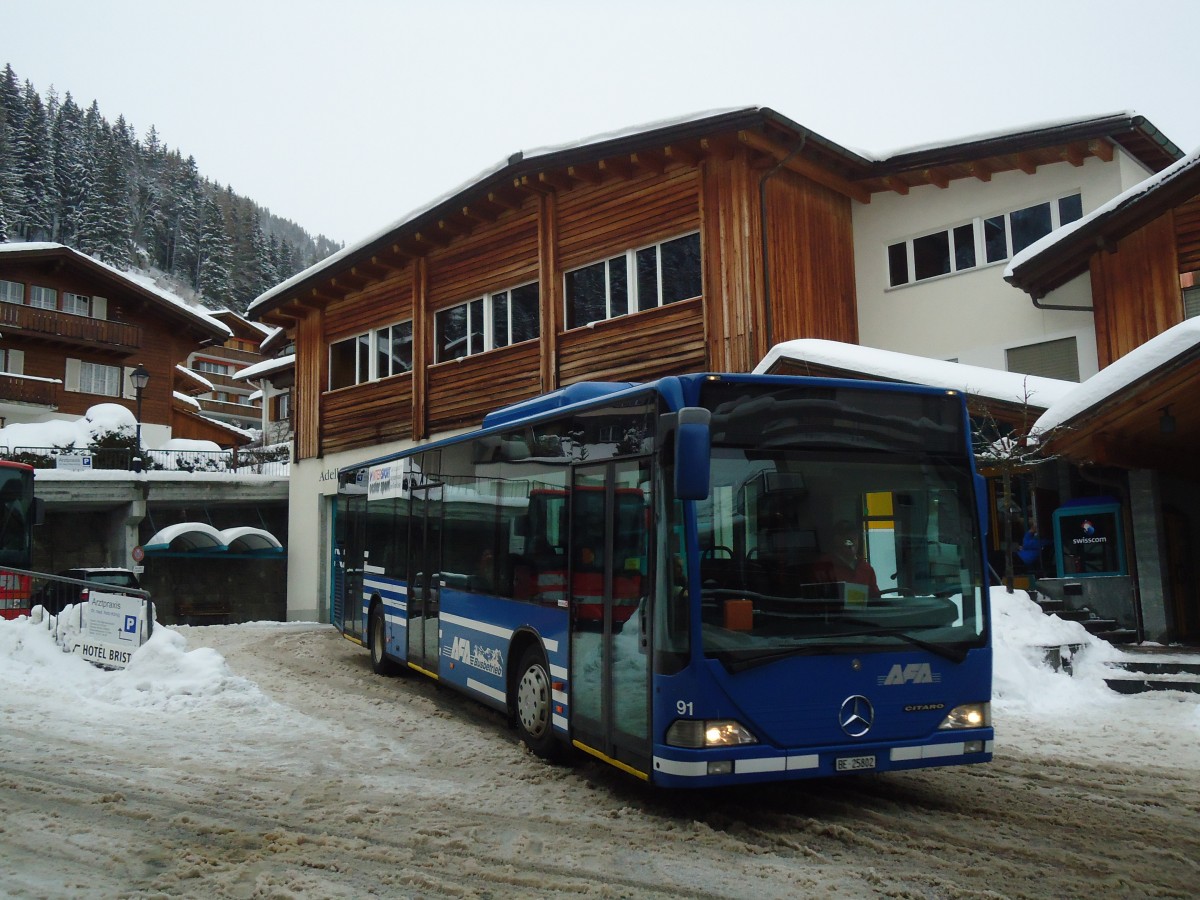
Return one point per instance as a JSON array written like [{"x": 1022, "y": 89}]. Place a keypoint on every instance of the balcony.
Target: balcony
[
  {"x": 32, "y": 322},
  {"x": 30, "y": 391}
]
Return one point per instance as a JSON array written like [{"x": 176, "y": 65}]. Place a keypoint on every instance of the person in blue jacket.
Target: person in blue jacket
[{"x": 1031, "y": 550}]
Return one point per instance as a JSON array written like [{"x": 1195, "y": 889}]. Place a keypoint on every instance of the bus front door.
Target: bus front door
[
  {"x": 425, "y": 560},
  {"x": 609, "y": 586}
]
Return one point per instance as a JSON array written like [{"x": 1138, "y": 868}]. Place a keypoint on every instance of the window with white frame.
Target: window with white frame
[
  {"x": 1047, "y": 359},
  {"x": 978, "y": 242},
  {"x": 12, "y": 292},
  {"x": 393, "y": 350},
  {"x": 282, "y": 407},
  {"x": 379, "y": 353},
  {"x": 78, "y": 304},
  {"x": 43, "y": 297},
  {"x": 487, "y": 323},
  {"x": 95, "y": 378},
  {"x": 634, "y": 281},
  {"x": 210, "y": 367}
]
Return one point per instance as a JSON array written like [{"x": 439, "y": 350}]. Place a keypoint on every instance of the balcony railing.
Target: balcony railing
[
  {"x": 275, "y": 461},
  {"x": 66, "y": 326},
  {"x": 21, "y": 389}
]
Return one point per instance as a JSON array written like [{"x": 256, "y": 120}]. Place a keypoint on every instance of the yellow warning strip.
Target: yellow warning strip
[
  {"x": 432, "y": 675},
  {"x": 612, "y": 762}
]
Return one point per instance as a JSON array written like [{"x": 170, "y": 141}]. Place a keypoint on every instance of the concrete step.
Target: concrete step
[
  {"x": 1141, "y": 675},
  {"x": 1142, "y": 685}
]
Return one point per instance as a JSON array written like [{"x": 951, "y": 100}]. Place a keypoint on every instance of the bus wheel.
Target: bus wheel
[
  {"x": 376, "y": 637},
  {"x": 533, "y": 704}
]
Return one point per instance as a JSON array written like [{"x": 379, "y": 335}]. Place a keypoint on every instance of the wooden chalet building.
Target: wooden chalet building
[
  {"x": 692, "y": 245},
  {"x": 230, "y": 400},
  {"x": 71, "y": 331}
]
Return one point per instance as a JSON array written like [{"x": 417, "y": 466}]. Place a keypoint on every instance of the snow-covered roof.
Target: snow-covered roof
[
  {"x": 1000, "y": 133},
  {"x": 136, "y": 279},
  {"x": 195, "y": 376},
  {"x": 1097, "y": 220},
  {"x": 266, "y": 367},
  {"x": 200, "y": 536},
  {"x": 184, "y": 398},
  {"x": 1159, "y": 352},
  {"x": 888, "y": 365},
  {"x": 751, "y": 117}
]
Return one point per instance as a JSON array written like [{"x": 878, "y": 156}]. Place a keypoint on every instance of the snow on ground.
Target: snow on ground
[
  {"x": 266, "y": 760},
  {"x": 166, "y": 677}
]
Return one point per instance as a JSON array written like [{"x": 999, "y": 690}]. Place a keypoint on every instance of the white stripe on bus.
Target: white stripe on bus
[
  {"x": 928, "y": 751},
  {"x": 559, "y": 672},
  {"x": 475, "y": 625},
  {"x": 390, "y": 586},
  {"x": 487, "y": 690},
  {"x": 675, "y": 767}
]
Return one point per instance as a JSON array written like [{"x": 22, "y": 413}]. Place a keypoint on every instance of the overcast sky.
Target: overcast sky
[{"x": 345, "y": 115}]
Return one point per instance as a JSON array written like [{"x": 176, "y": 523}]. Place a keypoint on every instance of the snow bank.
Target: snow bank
[
  {"x": 101, "y": 419},
  {"x": 1023, "y": 678},
  {"x": 162, "y": 674}
]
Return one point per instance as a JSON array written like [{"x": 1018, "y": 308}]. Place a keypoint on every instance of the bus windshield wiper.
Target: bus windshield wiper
[
  {"x": 734, "y": 660},
  {"x": 952, "y": 652}
]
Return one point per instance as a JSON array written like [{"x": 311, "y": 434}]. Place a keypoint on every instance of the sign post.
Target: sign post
[{"x": 112, "y": 628}]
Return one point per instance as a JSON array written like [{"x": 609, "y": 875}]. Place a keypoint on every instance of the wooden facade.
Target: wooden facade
[
  {"x": 770, "y": 203},
  {"x": 1135, "y": 289},
  {"x": 126, "y": 326},
  {"x": 539, "y": 225}
]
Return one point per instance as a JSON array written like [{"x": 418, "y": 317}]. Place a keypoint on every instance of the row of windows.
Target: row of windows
[
  {"x": 491, "y": 515},
  {"x": 211, "y": 368},
  {"x": 47, "y": 298},
  {"x": 981, "y": 241},
  {"x": 636, "y": 280},
  {"x": 378, "y": 353}
]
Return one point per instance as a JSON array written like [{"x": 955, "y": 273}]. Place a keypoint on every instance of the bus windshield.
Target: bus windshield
[{"x": 840, "y": 519}]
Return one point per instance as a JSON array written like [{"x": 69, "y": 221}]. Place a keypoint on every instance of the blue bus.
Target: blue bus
[{"x": 706, "y": 580}]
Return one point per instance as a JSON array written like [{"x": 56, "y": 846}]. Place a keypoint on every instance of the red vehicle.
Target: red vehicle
[{"x": 18, "y": 512}]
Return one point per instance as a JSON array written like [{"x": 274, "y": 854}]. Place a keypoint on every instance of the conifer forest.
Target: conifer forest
[{"x": 70, "y": 176}]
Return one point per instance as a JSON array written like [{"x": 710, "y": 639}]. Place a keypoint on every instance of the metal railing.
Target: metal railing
[{"x": 272, "y": 461}]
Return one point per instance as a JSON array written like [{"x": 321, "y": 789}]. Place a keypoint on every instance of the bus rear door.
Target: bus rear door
[{"x": 609, "y": 581}]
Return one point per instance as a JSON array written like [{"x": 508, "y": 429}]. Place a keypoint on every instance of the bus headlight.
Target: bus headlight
[
  {"x": 700, "y": 733},
  {"x": 969, "y": 715}
]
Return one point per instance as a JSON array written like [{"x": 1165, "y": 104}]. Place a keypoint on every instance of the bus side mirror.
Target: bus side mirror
[
  {"x": 37, "y": 511},
  {"x": 692, "y": 453}
]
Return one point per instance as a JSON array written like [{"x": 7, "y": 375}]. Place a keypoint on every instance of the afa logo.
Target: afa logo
[
  {"x": 913, "y": 673},
  {"x": 486, "y": 659}
]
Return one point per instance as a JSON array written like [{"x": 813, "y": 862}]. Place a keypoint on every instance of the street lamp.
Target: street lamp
[{"x": 140, "y": 377}]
